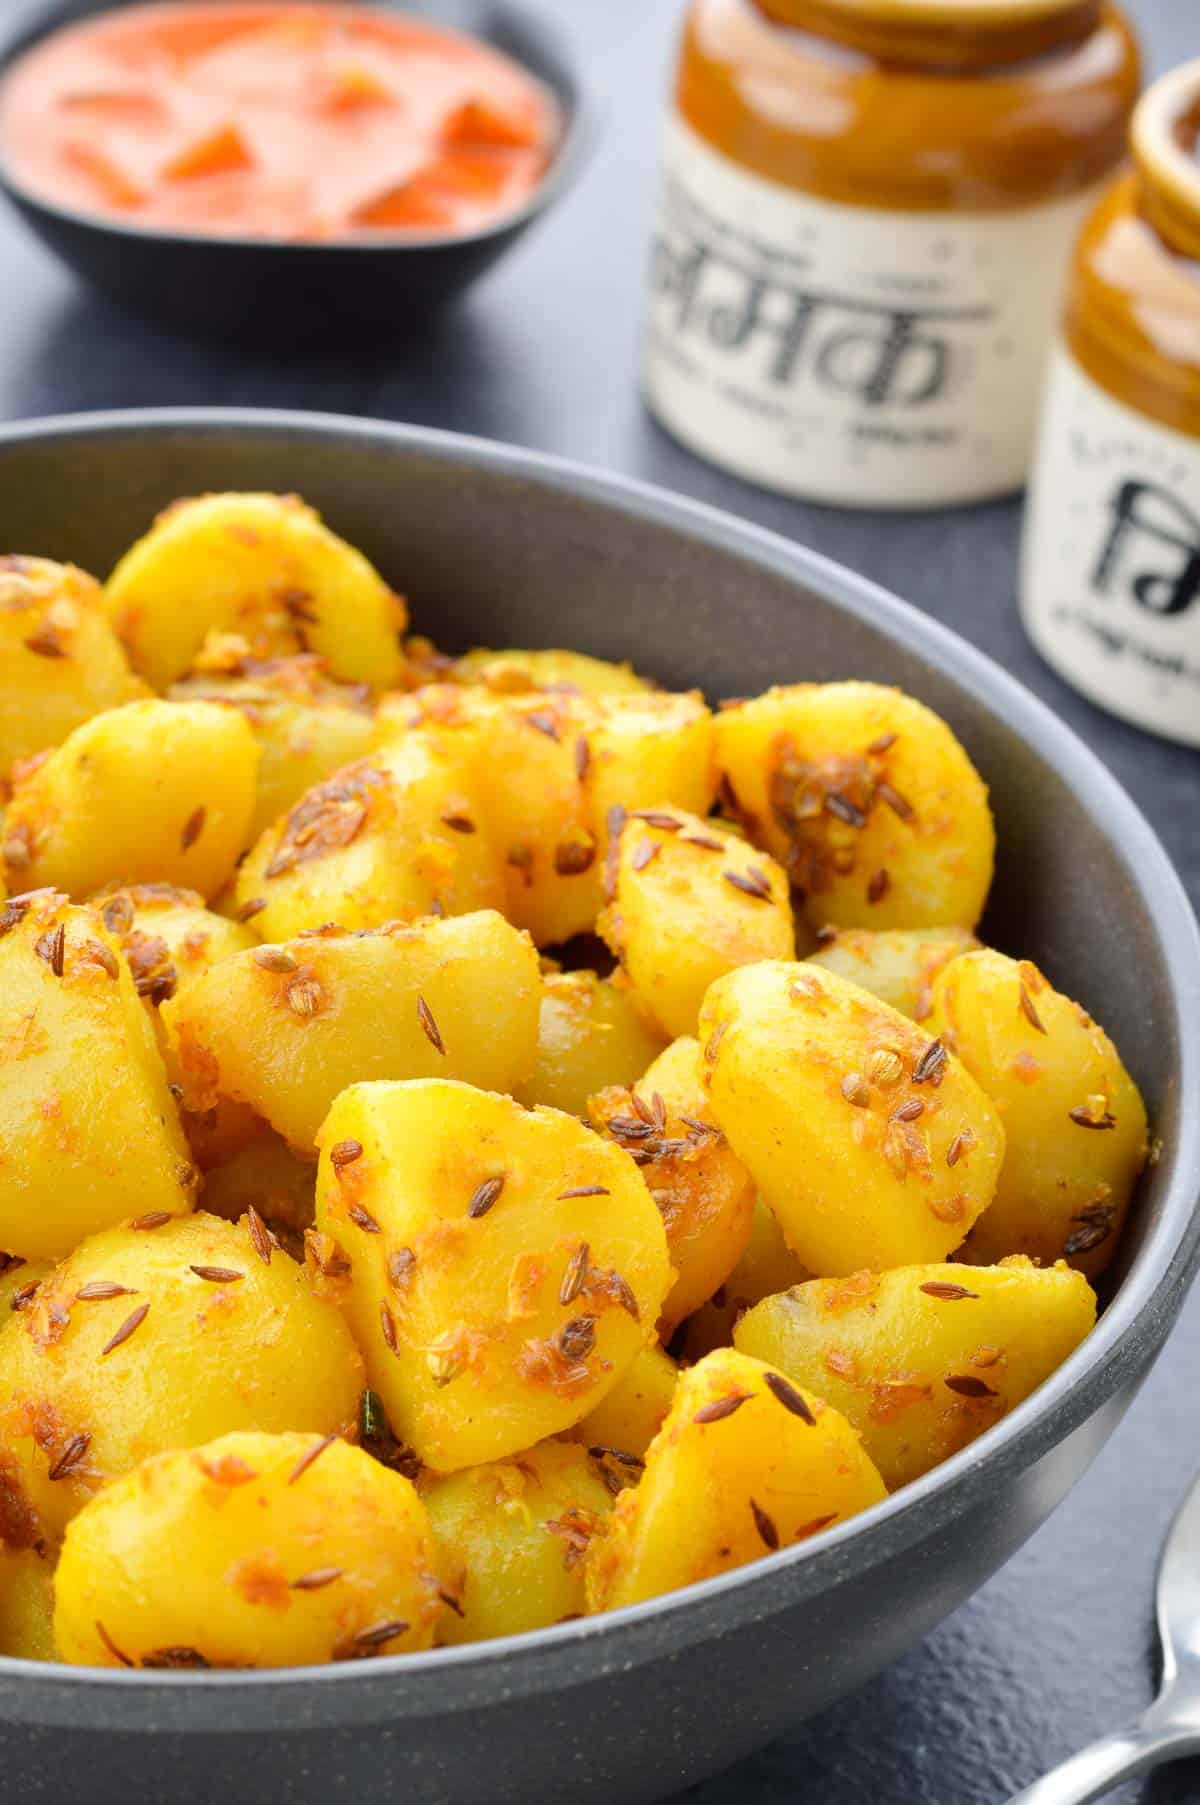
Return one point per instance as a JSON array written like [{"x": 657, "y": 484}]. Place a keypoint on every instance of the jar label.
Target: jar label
[
  {"x": 849, "y": 354},
  {"x": 1111, "y": 577}
]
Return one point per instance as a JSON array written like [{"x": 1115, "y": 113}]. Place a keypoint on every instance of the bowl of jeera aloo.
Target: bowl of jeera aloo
[{"x": 561, "y": 1206}]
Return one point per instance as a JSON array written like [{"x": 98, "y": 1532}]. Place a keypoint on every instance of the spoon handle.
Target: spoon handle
[{"x": 1096, "y": 1770}]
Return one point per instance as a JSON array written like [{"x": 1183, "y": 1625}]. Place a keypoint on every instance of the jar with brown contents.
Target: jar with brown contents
[
  {"x": 1111, "y": 583},
  {"x": 867, "y": 214}
]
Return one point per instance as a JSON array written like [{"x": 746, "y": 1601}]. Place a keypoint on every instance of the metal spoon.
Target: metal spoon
[{"x": 1171, "y": 1727}]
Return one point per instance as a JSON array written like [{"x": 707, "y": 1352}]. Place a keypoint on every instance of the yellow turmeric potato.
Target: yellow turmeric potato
[
  {"x": 307, "y": 726},
  {"x": 703, "y": 1192},
  {"x": 1074, "y": 1122},
  {"x": 506, "y": 1265},
  {"x": 897, "y": 965},
  {"x": 650, "y": 751},
  {"x": 872, "y": 1145},
  {"x": 511, "y": 673},
  {"x": 160, "y": 1334},
  {"x": 27, "y": 1606},
  {"x": 590, "y": 1035},
  {"x": 89, "y": 1131},
  {"x": 283, "y": 1029},
  {"x": 548, "y": 769},
  {"x": 687, "y": 903},
  {"x": 60, "y": 661},
  {"x": 391, "y": 838},
  {"x": 253, "y": 1551},
  {"x": 867, "y": 800},
  {"x": 512, "y": 1537},
  {"x": 168, "y": 936},
  {"x": 170, "y": 939},
  {"x": 154, "y": 792},
  {"x": 262, "y": 566},
  {"x": 622, "y": 1426},
  {"x": 923, "y": 1359},
  {"x": 744, "y": 1464},
  {"x": 265, "y": 1175},
  {"x": 766, "y": 1267}
]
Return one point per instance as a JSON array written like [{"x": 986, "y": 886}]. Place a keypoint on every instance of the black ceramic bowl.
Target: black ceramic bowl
[
  {"x": 279, "y": 293},
  {"x": 508, "y": 548}
]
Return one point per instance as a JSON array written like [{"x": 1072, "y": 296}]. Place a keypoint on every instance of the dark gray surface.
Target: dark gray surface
[{"x": 1057, "y": 1647}]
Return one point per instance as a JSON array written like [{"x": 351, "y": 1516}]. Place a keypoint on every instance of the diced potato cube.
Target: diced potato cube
[
  {"x": 89, "y": 1132},
  {"x": 590, "y": 1035},
  {"x": 923, "y": 1359},
  {"x": 687, "y": 903},
  {"x": 154, "y": 792},
  {"x": 265, "y": 1175},
  {"x": 394, "y": 837},
  {"x": 160, "y": 1334},
  {"x": 60, "y": 661},
  {"x": 897, "y": 965},
  {"x": 511, "y": 673},
  {"x": 27, "y": 1606},
  {"x": 622, "y": 1426},
  {"x": 170, "y": 939},
  {"x": 507, "y": 1265},
  {"x": 512, "y": 1537},
  {"x": 1074, "y": 1122},
  {"x": 767, "y": 1267},
  {"x": 168, "y": 936},
  {"x": 867, "y": 800},
  {"x": 744, "y": 1464},
  {"x": 872, "y": 1145},
  {"x": 173, "y": 1565},
  {"x": 284, "y": 1029},
  {"x": 307, "y": 726},
  {"x": 703, "y": 1191},
  {"x": 265, "y": 567},
  {"x": 549, "y": 769}
]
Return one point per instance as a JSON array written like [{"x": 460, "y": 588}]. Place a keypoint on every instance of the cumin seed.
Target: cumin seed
[
  {"x": 308, "y": 1457},
  {"x": 574, "y": 1275},
  {"x": 720, "y": 1408},
  {"x": 317, "y": 1580},
  {"x": 931, "y": 1066},
  {"x": 429, "y": 1027},
  {"x": 969, "y": 1387},
  {"x": 260, "y": 1235},
  {"x": 1025, "y": 1003},
  {"x": 129, "y": 1327},
  {"x": 765, "y": 1525},
  {"x": 72, "y": 1456},
  {"x": 791, "y": 1399},
  {"x": 484, "y": 1196}
]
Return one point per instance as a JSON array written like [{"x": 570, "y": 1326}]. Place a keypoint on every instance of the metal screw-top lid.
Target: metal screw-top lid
[{"x": 943, "y": 34}]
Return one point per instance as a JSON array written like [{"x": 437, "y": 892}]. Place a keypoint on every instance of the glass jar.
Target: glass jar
[
  {"x": 1111, "y": 568},
  {"x": 867, "y": 212}
]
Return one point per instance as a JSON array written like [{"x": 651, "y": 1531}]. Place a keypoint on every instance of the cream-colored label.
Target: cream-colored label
[
  {"x": 850, "y": 355},
  {"x": 1111, "y": 568}
]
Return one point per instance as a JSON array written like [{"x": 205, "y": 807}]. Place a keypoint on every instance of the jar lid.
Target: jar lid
[
  {"x": 1166, "y": 149},
  {"x": 950, "y": 34}
]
